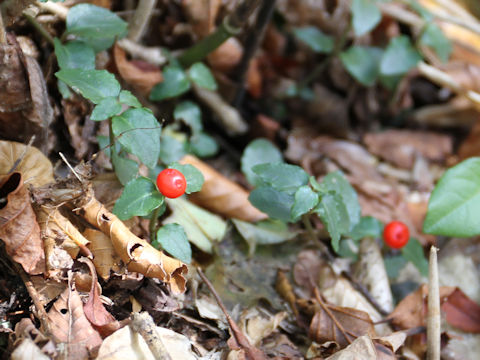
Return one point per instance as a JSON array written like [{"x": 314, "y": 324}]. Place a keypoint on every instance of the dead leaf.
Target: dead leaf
[
  {"x": 227, "y": 56},
  {"x": 19, "y": 229},
  {"x": 221, "y": 195},
  {"x": 156, "y": 299},
  {"x": 76, "y": 111},
  {"x": 254, "y": 81},
  {"x": 141, "y": 75},
  {"x": 104, "y": 256},
  {"x": 461, "y": 312},
  {"x": 401, "y": 146},
  {"x": 47, "y": 289},
  {"x": 70, "y": 327},
  {"x": 339, "y": 324},
  {"x": 257, "y": 326},
  {"x": 201, "y": 15},
  {"x": 28, "y": 350},
  {"x": 138, "y": 254},
  {"x": 362, "y": 348},
  {"x": 471, "y": 145},
  {"x": 35, "y": 167}
]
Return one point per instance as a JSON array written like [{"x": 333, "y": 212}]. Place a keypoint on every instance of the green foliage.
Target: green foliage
[
  {"x": 190, "y": 114},
  {"x": 368, "y": 226},
  {"x": 172, "y": 239},
  {"x": 193, "y": 176},
  {"x": 334, "y": 214},
  {"x": 259, "y": 151},
  {"x": 305, "y": 200},
  {"x": 315, "y": 39},
  {"x": 105, "y": 109},
  {"x": 202, "y": 76},
  {"x": 273, "y": 202},
  {"x": 127, "y": 98},
  {"x": 363, "y": 63},
  {"x": 432, "y": 36},
  {"x": 365, "y": 16},
  {"x": 125, "y": 169},
  {"x": 399, "y": 57},
  {"x": 393, "y": 265},
  {"x": 455, "y": 202},
  {"x": 282, "y": 177},
  {"x": 413, "y": 252},
  {"x": 96, "y": 26},
  {"x": 94, "y": 85},
  {"x": 74, "y": 55},
  {"x": 175, "y": 82},
  {"x": 139, "y": 198},
  {"x": 203, "y": 145},
  {"x": 171, "y": 149},
  {"x": 139, "y": 133}
]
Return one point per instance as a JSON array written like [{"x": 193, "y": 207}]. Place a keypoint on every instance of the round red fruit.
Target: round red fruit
[
  {"x": 171, "y": 183},
  {"x": 396, "y": 234}
]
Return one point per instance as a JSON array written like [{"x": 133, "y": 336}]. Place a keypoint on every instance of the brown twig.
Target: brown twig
[
  {"x": 141, "y": 19},
  {"x": 143, "y": 324}
]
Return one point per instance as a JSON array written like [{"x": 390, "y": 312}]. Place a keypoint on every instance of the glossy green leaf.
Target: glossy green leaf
[
  {"x": 201, "y": 75},
  {"x": 74, "y": 55},
  {"x": 365, "y": 16},
  {"x": 413, "y": 252},
  {"x": 275, "y": 203},
  {"x": 127, "y": 98},
  {"x": 203, "y": 145},
  {"x": 363, "y": 63},
  {"x": 368, "y": 226},
  {"x": 64, "y": 90},
  {"x": 399, "y": 57},
  {"x": 315, "y": 39},
  {"x": 139, "y": 198},
  {"x": 190, "y": 114},
  {"x": 259, "y": 151},
  {"x": 432, "y": 36},
  {"x": 335, "y": 217},
  {"x": 455, "y": 202},
  {"x": 336, "y": 182},
  {"x": 393, "y": 265},
  {"x": 175, "y": 82},
  {"x": 282, "y": 177},
  {"x": 172, "y": 239},
  {"x": 171, "y": 149},
  {"x": 94, "y": 85},
  {"x": 125, "y": 169},
  {"x": 139, "y": 133},
  {"x": 105, "y": 109},
  {"x": 95, "y": 25},
  {"x": 305, "y": 200},
  {"x": 193, "y": 176}
]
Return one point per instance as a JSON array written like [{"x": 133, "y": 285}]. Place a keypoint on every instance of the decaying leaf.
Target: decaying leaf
[
  {"x": 35, "y": 167},
  {"x": 47, "y": 289},
  {"x": 227, "y": 56},
  {"x": 19, "y": 229},
  {"x": 221, "y": 195},
  {"x": 257, "y": 326},
  {"x": 201, "y": 15},
  {"x": 71, "y": 328},
  {"x": 138, "y": 254},
  {"x": 104, "y": 257}
]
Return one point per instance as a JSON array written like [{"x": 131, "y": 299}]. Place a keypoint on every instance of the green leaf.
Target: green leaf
[
  {"x": 305, "y": 200},
  {"x": 125, "y": 169},
  {"x": 95, "y": 25},
  {"x": 348, "y": 248},
  {"x": 365, "y": 16},
  {"x": 94, "y": 85},
  {"x": 139, "y": 132},
  {"x": 64, "y": 90},
  {"x": 74, "y": 55},
  {"x": 171, "y": 149},
  {"x": 139, "y": 198},
  {"x": 368, "y": 226},
  {"x": 172, "y": 239},
  {"x": 175, "y": 82},
  {"x": 335, "y": 217},
  {"x": 105, "y": 109},
  {"x": 336, "y": 181},
  {"x": 203, "y": 145},
  {"x": 413, "y": 252},
  {"x": 272, "y": 202},
  {"x": 399, "y": 57},
  {"x": 282, "y": 177},
  {"x": 393, "y": 265},
  {"x": 259, "y": 151},
  {"x": 266, "y": 232},
  {"x": 193, "y": 176},
  {"x": 190, "y": 114},
  {"x": 363, "y": 63},
  {"x": 424, "y": 13},
  {"x": 127, "y": 98},
  {"x": 201, "y": 75},
  {"x": 433, "y": 37},
  {"x": 315, "y": 39},
  {"x": 455, "y": 202}
]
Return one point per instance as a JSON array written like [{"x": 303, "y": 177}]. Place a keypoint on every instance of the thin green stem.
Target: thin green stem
[
  {"x": 153, "y": 226},
  {"x": 39, "y": 27},
  {"x": 112, "y": 142},
  {"x": 308, "y": 226}
]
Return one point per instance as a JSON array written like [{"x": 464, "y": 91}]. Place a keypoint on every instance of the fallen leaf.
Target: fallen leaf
[
  {"x": 47, "y": 289},
  {"x": 104, "y": 257},
  {"x": 201, "y": 15},
  {"x": 19, "y": 229},
  {"x": 28, "y": 350},
  {"x": 155, "y": 298},
  {"x": 461, "y": 312},
  {"x": 221, "y": 195},
  {"x": 257, "y": 326},
  {"x": 35, "y": 167},
  {"x": 254, "y": 81},
  {"x": 76, "y": 111},
  {"x": 227, "y": 56}
]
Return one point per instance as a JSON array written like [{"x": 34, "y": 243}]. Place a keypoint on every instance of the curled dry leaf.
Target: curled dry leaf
[
  {"x": 227, "y": 56},
  {"x": 19, "y": 229},
  {"x": 104, "y": 257},
  {"x": 35, "y": 167},
  {"x": 81, "y": 129},
  {"x": 138, "y": 254},
  {"x": 221, "y": 195},
  {"x": 71, "y": 328},
  {"x": 141, "y": 75}
]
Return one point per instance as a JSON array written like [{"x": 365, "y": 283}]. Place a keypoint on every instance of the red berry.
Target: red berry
[
  {"x": 396, "y": 234},
  {"x": 171, "y": 183}
]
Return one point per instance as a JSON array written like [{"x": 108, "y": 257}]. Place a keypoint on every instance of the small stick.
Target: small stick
[
  {"x": 140, "y": 19},
  {"x": 433, "y": 322},
  {"x": 38, "y": 27},
  {"x": 70, "y": 167},
  {"x": 20, "y": 159},
  {"x": 143, "y": 324},
  {"x": 3, "y": 33}
]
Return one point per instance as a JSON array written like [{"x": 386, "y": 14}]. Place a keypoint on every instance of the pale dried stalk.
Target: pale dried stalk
[
  {"x": 55, "y": 8},
  {"x": 143, "y": 324},
  {"x": 433, "y": 322},
  {"x": 141, "y": 18}
]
